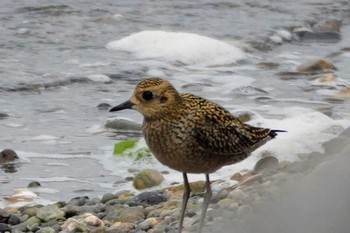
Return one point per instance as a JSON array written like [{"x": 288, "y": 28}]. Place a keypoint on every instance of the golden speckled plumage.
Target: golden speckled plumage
[{"x": 191, "y": 134}]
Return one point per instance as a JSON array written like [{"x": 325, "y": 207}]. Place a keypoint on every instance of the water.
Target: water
[{"x": 53, "y": 56}]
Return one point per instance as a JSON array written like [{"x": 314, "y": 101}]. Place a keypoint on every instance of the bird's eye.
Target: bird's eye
[{"x": 147, "y": 95}]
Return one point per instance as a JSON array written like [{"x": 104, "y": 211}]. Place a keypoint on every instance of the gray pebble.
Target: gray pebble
[
  {"x": 107, "y": 197},
  {"x": 4, "y": 227},
  {"x": 14, "y": 220}
]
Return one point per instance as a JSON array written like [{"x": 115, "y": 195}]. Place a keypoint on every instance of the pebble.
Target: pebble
[
  {"x": 8, "y": 155},
  {"x": 147, "y": 178},
  {"x": 237, "y": 195},
  {"x": 14, "y": 219},
  {"x": 49, "y": 212},
  {"x": 266, "y": 164},
  {"x": 122, "y": 123},
  {"x": 4, "y": 227},
  {"x": 34, "y": 184},
  {"x": 46, "y": 230},
  {"x": 107, "y": 197},
  {"x": 149, "y": 198}
]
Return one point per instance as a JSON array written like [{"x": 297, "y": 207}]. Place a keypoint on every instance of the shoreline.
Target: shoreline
[{"x": 233, "y": 204}]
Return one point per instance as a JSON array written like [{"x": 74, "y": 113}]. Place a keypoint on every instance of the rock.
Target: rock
[
  {"x": 225, "y": 202},
  {"x": 34, "y": 184},
  {"x": 196, "y": 187},
  {"x": 49, "y": 212},
  {"x": 147, "y": 178},
  {"x": 268, "y": 65},
  {"x": 103, "y": 106},
  {"x": 244, "y": 211},
  {"x": 123, "y": 225},
  {"x": 30, "y": 211},
  {"x": 239, "y": 177},
  {"x": 284, "y": 34},
  {"x": 30, "y": 222},
  {"x": 4, "y": 215},
  {"x": 3, "y": 115},
  {"x": 108, "y": 196},
  {"x": 78, "y": 201},
  {"x": 122, "y": 214},
  {"x": 266, "y": 164},
  {"x": 250, "y": 180},
  {"x": 22, "y": 195},
  {"x": 8, "y": 155},
  {"x": 236, "y": 195},
  {"x": 148, "y": 224},
  {"x": 316, "y": 66},
  {"x": 4, "y": 228},
  {"x": 71, "y": 210},
  {"x": 149, "y": 198},
  {"x": 14, "y": 219},
  {"x": 276, "y": 39},
  {"x": 330, "y": 37},
  {"x": 84, "y": 223},
  {"x": 46, "y": 230},
  {"x": 326, "y": 78},
  {"x": 344, "y": 92},
  {"x": 336, "y": 145},
  {"x": 122, "y": 123}
]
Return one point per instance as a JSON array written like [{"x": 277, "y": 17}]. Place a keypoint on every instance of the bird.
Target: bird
[{"x": 191, "y": 134}]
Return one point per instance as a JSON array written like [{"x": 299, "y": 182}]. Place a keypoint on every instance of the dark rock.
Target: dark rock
[
  {"x": 46, "y": 230},
  {"x": 78, "y": 201},
  {"x": 4, "y": 216},
  {"x": 129, "y": 178},
  {"x": 329, "y": 37},
  {"x": 14, "y": 219},
  {"x": 3, "y": 115},
  {"x": 103, "y": 106},
  {"x": 149, "y": 198},
  {"x": 34, "y": 184},
  {"x": 77, "y": 210},
  {"x": 8, "y": 155},
  {"x": 4, "y": 227}
]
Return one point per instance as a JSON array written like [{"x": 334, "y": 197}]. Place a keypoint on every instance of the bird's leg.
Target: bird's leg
[
  {"x": 206, "y": 200},
  {"x": 186, "y": 195}
]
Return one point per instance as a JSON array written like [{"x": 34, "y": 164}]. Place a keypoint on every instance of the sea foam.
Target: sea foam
[{"x": 186, "y": 48}]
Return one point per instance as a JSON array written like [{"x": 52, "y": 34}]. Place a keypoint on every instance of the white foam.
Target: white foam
[{"x": 181, "y": 47}]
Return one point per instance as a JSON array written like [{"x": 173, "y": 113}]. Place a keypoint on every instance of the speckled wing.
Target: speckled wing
[{"x": 218, "y": 131}]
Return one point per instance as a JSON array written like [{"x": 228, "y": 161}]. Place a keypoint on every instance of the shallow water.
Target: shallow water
[{"x": 52, "y": 52}]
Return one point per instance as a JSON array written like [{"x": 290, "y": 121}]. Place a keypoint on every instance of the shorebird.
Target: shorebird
[{"x": 191, "y": 134}]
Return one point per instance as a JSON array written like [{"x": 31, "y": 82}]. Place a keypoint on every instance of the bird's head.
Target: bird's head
[{"x": 153, "y": 98}]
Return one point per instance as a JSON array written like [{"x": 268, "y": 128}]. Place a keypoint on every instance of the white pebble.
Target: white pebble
[
  {"x": 276, "y": 39},
  {"x": 285, "y": 35}
]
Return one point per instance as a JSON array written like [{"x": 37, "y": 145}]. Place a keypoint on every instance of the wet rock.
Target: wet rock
[
  {"x": 103, "y": 106},
  {"x": 71, "y": 210},
  {"x": 49, "y": 212},
  {"x": 122, "y": 214},
  {"x": 316, "y": 66},
  {"x": 326, "y": 78},
  {"x": 250, "y": 180},
  {"x": 4, "y": 228},
  {"x": 21, "y": 195},
  {"x": 84, "y": 223},
  {"x": 4, "y": 215},
  {"x": 30, "y": 211},
  {"x": 276, "y": 39},
  {"x": 266, "y": 164},
  {"x": 3, "y": 115},
  {"x": 147, "y": 178},
  {"x": 30, "y": 222},
  {"x": 330, "y": 37},
  {"x": 34, "y": 184},
  {"x": 78, "y": 201},
  {"x": 8, "y": 155},
  {"x": 268, "y": 65},
  {"x": 46, "y": 230},
  {"x": 149, "y": 198},
  {"x": 285, "y": 35},
  {"x": 239, "y": 177},
  {"x": 108, "y": 196},
  {"x": 344, "y": 92},
  {"x": 14, "y": 219},
  {"x": 121, "y": 123}
]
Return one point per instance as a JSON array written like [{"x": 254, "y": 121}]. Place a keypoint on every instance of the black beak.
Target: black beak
[{"x": 126, "y": 105}]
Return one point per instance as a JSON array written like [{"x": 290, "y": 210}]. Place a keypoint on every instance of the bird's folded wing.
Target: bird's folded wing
[{"x": 218, "y": 139}]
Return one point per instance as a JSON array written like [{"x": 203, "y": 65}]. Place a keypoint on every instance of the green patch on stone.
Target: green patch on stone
[{"x": 129, "y": 148}]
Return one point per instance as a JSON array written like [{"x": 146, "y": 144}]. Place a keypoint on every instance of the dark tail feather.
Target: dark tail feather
[{"x": 273, "y": 133}]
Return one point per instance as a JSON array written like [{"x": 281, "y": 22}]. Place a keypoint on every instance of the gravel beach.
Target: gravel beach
[{"x": 276, "y": 196}]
